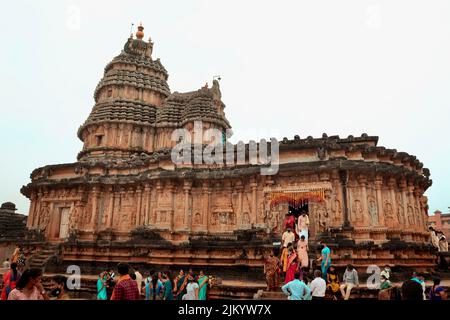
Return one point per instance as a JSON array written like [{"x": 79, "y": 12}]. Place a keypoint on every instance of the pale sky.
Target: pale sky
[{"x": 287, "y": 68}]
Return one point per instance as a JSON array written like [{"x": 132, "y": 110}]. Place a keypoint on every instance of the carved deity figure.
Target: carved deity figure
[
  {"x": 418, "y": 217},
  {"x": 373, "y": 211},
  {"x": 389, "y": 215},
  {"x": 410, "y": 213},
  {"x": 44, "y": 218},
  {"x": 197, "y": 218},
  {"x": 246, "y": 219},
  {"x": 400, "y": 212},
  {"x": 336, "y": 208},
  {"x": 214, "y": 219},
  {"x": 273, "y": 221},
  {"x": 231, "y": 218},
  {"x": 357, "y": 211},
  {"x": 322, "y": 216}
]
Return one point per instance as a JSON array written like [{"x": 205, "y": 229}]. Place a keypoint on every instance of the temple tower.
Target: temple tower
[{"x": 122, "y": 120}]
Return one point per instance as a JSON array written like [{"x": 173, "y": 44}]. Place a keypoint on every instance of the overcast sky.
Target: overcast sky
[{"x": 287, "y": 68}]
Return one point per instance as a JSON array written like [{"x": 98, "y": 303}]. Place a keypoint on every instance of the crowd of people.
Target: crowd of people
[
  {"x": 128, "y": 284},
  {"x": 302, "y": 281},
  {"x": 293, "y": 271},
  {"x": 131, "y": 285}
]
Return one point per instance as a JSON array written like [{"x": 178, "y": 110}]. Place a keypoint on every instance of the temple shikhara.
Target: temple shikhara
[{"x": 125, "y": 199}]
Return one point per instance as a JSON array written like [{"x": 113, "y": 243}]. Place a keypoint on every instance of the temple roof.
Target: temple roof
[
  {"x": 191, "y": 106},
  {"x": 132, "y": 78},
  {"x": 135, "y": 68},
  {"x": 122, "y": 110}
]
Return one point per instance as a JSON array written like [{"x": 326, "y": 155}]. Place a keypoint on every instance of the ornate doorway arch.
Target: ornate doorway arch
[{"x": 281, "y": 198}]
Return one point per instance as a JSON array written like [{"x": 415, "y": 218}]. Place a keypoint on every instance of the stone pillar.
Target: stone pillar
[
  {"x": 403, "y": 188},
  {"x": 253, "y": 186},
  {"x": 187, "y": 186},
  {"x": 138, "y": 205},
  {"x": 31, "y": 212},
  {"x": 417, "y": 195},
  {"x": 345, "y": 207},
  {"x": 337, "y": 219},
  {"x": 392, "y": 183},
  {"x": 94, "y": 216},
  {"x": 367, "y": 219},
  {"x": 37, "y": 208},
  {"x": 170, "y": 188},
  {"x": 411, "y": 202},
  {"x": 378, "y": 185},
  {"x": 147, "y": 201},
  {"x": 207, "y": 203},
  {"x": 351, "y": 186},
  {"x": 110, "y": 206},
  {"x": 239, "y": 189}
]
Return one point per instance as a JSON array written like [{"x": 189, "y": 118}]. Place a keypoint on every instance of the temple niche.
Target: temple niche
[{"x": 124, "y": 188}]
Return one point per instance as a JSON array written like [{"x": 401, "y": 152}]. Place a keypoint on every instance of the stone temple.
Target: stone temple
[{"x": 124, "y": 199}]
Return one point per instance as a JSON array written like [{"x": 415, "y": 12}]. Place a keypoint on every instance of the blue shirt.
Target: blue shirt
[{"x": 297, "y": 290}]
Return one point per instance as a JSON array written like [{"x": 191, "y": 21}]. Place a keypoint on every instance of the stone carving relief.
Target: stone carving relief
[
  {"x": 410, "y": 214},
  {"x": 246, "y": 218},
  {"x": 400, "y": 211},
  {"x": 197, "y": 218},
  {"x": 336, "y": 208},
  {"x": 44, "y": 218},
  {"x": 87, "y": 213},
  {"x": 373, "y": 210},
  {"x": 73, "y": 218},
  {"x": 223, "y": 218},
  {"x": 417, "y": 217},
  {"x": 161, "y": 216},
  {"x": 321, "y": 216},
  {"x": 357, "y": 211},
  {"x": 389, "y": 214}
]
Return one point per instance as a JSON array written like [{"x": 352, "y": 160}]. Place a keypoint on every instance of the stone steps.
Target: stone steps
[{"x": 40, "y": 258}]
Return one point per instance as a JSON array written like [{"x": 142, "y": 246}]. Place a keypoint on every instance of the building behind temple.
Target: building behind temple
[{"x": 124, "y": 198}]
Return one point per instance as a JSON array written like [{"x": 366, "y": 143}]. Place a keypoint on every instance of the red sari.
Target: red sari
[
  {"x": 9, "y": 283},
  {"x": 292, "y": 267}
]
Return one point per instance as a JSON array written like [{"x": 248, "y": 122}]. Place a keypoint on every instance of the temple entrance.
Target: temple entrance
[
  {"x": 64, "y": 224},
  {"x": 296, "y": 211}
]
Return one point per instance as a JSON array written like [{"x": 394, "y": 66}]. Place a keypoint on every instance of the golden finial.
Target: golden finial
[{"x": 140, "y": 32}]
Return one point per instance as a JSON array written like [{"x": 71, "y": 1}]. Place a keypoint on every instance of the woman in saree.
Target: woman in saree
[
  {"x": 202, "y": 285},
  {"x": 333, "y": 284},
  {"x": 180, "y": 285},
  {"x": 284, "y": 256},
  {"x": 102, "y": 284},
  {"x": 292, "y": 266},
  {"x": 153, "y": 289},
  {"x": 325, "y": 258},
  {"x": 10, "y": 279},
  {"x": 168, "y": 286},
  {"x": 302, "y": 251}
]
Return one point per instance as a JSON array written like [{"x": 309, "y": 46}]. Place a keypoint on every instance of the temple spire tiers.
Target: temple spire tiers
[{"x": 124, "y": 197}]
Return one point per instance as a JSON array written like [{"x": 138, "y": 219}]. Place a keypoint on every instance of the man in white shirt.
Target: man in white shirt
[
  {"x": 318, "y": 286},
  {"x": 288, "y": 237}
]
